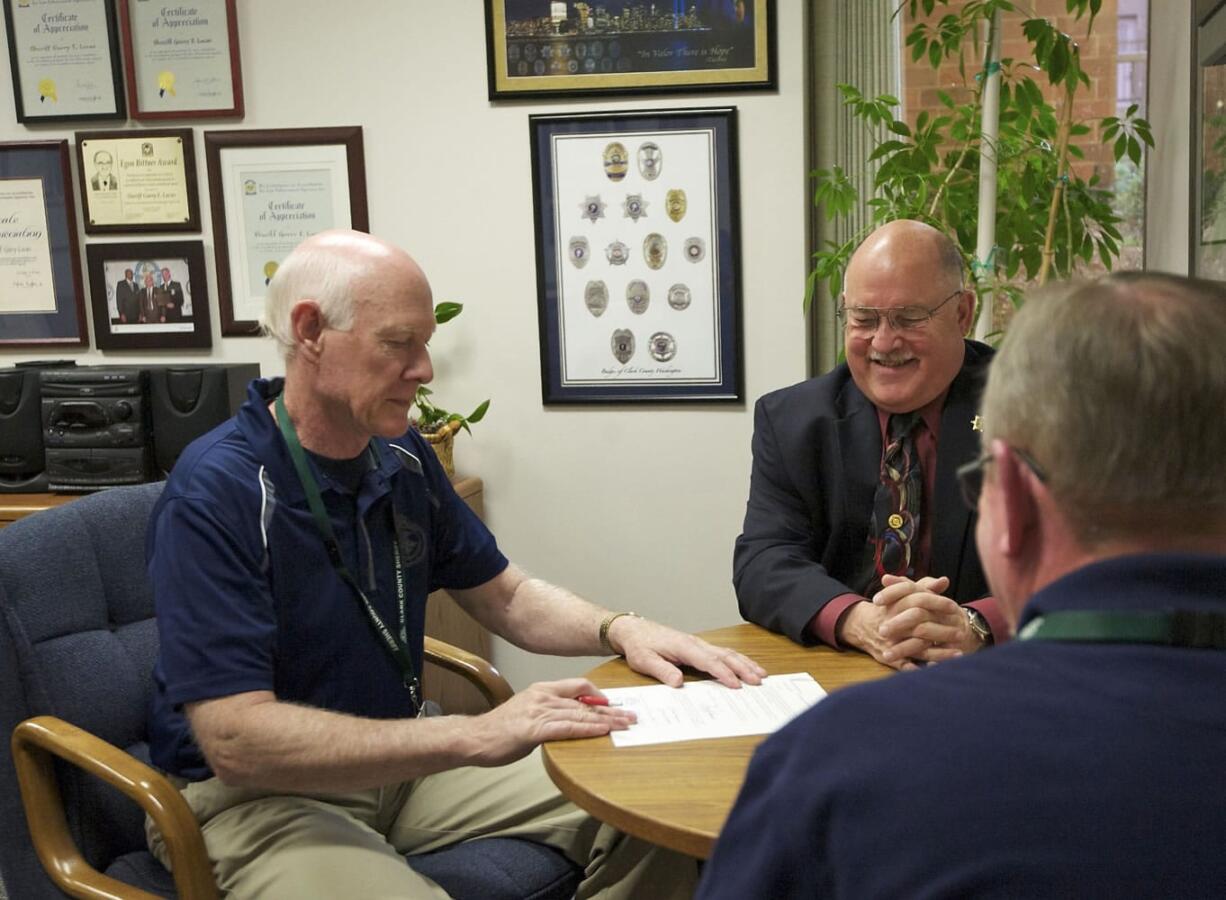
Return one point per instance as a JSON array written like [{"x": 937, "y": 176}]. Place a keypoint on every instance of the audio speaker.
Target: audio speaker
[
  {"x": 188, "y": 401},
  {"x": 22, "y": 459}
]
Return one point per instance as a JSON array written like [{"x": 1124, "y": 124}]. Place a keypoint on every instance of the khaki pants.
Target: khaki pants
[{"x": 318, "y": 845}]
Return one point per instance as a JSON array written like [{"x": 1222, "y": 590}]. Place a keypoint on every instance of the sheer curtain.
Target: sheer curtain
[{"x": 855, "y": 41}]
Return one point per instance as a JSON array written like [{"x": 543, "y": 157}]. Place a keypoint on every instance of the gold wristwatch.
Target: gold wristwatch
[
  {"x": 604, "y": 630},
  {"x": 979, "y": 625}
]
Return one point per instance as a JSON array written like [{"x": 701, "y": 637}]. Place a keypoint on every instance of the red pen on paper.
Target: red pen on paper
[{"x": 593, "y": 700}]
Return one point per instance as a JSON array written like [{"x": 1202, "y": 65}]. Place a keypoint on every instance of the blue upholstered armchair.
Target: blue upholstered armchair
[{"x": 77, "y": 645}]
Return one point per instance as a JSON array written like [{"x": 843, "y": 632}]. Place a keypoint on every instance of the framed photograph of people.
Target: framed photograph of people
[
  {"x": 149, "y": 295},
  {"x": 138, "y": 181},
  {"x": 638, "y": 255},
  {"x": 268, "y": 191},
  {"x": 40, "y": 263},
  {"x": 628, "y": 46},
  {"x": 64, "y": 56},
  {"x": 182, "y": 60}
]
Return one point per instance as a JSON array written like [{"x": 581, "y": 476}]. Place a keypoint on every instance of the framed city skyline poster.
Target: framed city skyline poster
[
  {"x": 41, "y": 299},
  {"x": 269, "y": 190},
  {"x": 539, "y": 48},
  {"x": 638, "y": 255}
]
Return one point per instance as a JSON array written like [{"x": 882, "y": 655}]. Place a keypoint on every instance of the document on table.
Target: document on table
[{"x": 707, "y": 709}]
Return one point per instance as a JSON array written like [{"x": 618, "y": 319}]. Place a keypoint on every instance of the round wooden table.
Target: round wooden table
[{"x": 678, "y": 795}]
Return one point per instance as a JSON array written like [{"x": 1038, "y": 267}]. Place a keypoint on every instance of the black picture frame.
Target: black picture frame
[
  {"x": 137, "y": 184},
  {"x": 55, "y": 317},
  {"x": 103, "y": 89},
  {"x": 225, "y": 153},
  {"x": 638, "y": 255},
  {"x": 714, "y": 45},
  {"x": 175, "y": 320}
]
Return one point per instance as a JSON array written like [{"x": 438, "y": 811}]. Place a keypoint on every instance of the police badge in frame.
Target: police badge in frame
[{"x": 642, "y": 206}]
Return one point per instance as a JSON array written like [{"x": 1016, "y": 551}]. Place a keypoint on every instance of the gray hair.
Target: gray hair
[
  {"x": 312, "y": 271},
  {"x": 1117, "y": 388}
]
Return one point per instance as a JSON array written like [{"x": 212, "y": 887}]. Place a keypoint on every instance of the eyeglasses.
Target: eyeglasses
[
  {"x": 864, "y": 320},
  {"x": 970, "y": 475}
]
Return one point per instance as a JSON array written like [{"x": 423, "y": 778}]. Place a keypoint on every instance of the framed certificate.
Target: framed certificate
[
  {"x": 270, "y": 190},
  {"x": 182, "y": 60},
  {"x": 40, "y": 264},
  {"x": 638, "y": 255},
  {"x": 136, "y": 181},
  {"x": 64, "y": 55},
  {"x": 149, "y": 295},
  {"x": 563, "y": 49}
]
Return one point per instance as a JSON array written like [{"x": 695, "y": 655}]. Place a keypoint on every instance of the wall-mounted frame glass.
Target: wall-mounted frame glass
[
  {"x": 64, "y": 55},
  {"x": 41, "y": 300}
]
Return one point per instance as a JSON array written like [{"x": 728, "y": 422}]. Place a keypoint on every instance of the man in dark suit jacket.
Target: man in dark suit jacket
[
  {"x": 173, "y": 308},
  {"x": 149, "y": 296},
  {"x": 1083, "y": 759},
  {"x": 803, "y": 564},
  {"x": 127, "y": 299}
]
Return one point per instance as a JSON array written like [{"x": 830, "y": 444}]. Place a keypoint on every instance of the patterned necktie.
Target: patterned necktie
[{"x": 894, "y": 530}]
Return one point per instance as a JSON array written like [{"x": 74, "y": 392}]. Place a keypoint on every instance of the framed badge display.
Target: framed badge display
[
  {"x": 182, "y": 60},
  {"x": 64, "y": 56},
  {"x": 149, "y": 295},
  {"x": 638, "y": 255},
  {"x": 138, "y": 181},
  {"x": 269, "y": 190},
  {"x": 41, "y": 301},
  {"x": 554, "y": 49}
]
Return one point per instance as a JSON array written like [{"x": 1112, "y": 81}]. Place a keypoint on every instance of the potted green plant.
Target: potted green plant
[
  {"x": 1053, "y": 218},
  {"x": 436, "y": 424}
]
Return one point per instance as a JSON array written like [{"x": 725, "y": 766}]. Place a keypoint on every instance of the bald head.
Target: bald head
[
  {"x": 338, "y": 269},
  {"x": 902, "y": 251}
]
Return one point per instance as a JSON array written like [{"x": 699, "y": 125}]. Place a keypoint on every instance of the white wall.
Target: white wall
[{"x": 635, "y": 507}]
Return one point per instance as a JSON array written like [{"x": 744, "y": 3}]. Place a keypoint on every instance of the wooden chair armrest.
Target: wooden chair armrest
[
  {"x": 34, "y": 743},
  {"x": 484, "y": 677}
]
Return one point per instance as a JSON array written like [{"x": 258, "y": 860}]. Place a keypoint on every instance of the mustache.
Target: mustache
[{"x": 889, "y": 359}]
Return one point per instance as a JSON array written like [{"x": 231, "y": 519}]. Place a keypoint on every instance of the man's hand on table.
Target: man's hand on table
[
  {"x": 545, "y": 711},
  {"x": 658, "y": 651}
]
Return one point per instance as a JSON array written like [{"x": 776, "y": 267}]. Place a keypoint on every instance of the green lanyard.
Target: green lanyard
[
  {"x": 398, "y": 649},
  {"x": 1172, "y": 628}
]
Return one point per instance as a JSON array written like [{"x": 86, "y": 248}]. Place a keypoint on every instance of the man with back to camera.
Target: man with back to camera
[
  {"x": 1096, "y": 769},
  {"x": 286, "y": 687},
  {"x": 854, "y": 531}
]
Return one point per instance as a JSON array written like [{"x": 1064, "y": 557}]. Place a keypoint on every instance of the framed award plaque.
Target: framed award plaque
[
  {"x": 182, "y": 60},
  {"x": 138, "y": 181},
  {"x": 269, "y": 191},
  {"x": 40, "y": 263},
  {"x": 64, "y": 56}
]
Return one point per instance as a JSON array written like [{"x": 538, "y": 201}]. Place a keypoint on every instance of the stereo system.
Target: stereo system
[{"x": 69, "y": 428}]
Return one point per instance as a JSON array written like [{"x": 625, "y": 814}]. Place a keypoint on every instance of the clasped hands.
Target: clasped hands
[{"x": 908, "y": 623}]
